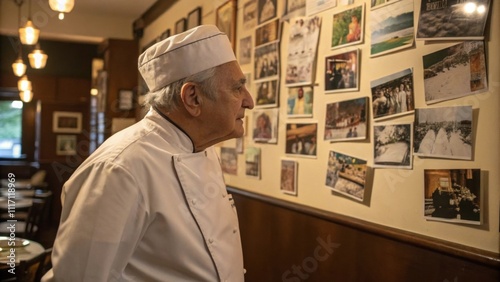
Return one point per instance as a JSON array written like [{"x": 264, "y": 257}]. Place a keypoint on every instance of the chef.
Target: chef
[{"x": 150, "y": 204}]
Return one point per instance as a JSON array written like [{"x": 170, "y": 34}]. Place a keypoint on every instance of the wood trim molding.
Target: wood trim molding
[
  {"x": 487, "y": 258},
  {"x": 156, "y": 10}
]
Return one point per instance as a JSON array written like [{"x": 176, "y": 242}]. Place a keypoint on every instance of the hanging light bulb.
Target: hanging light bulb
[
  {"x": 24, "y": 84},
  {"x": 26, "y": 95},
  {"x": 29, "y": 33},
  {"x": 62, "y": 6},
  {"x": 38, "y": 58},
  {"x": 19, "y": 67}
]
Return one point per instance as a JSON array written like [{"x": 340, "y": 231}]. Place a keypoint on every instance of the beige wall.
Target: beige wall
[{"x": 396, "y": 195}]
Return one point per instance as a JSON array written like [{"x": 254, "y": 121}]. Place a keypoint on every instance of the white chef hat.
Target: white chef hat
[{"x": 184, "y": 54}]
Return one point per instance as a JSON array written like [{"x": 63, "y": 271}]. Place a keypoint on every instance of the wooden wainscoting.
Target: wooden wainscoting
[{"x": 284, "y": 241}]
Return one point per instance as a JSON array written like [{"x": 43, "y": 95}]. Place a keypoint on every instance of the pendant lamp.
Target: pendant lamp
[
  {"x": 37, "y": 58},
  {"x": 24, "y": 84},
  {"x": 26, "y": 95},
  {"x": 28, "y": 34},
  {"x": 62, "y": 6}
]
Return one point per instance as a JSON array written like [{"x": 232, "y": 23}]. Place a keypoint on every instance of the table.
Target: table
[
  {"x": 24, "y": 250},
  {"x": 22, "y": 203}
]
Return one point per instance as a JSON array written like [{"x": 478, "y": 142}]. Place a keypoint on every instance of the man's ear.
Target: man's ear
[{"x": 191, "y": 98}]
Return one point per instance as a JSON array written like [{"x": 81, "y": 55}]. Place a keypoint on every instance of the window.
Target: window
[{"x": 11, "y": 124}]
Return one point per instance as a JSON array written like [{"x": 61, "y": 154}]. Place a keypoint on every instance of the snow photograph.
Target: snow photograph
[
  {"x": 392, "y": 145},
  {"x": 444, "y": 132}
]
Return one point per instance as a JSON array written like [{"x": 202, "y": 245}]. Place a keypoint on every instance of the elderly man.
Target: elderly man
[{"x": 150, "y": 203}]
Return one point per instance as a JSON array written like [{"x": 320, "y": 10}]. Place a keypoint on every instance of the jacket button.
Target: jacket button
[
  {"x": 235, "y": 230},
  {"x": 193, "y": 201},
  {"x": 210, "y": 240}
]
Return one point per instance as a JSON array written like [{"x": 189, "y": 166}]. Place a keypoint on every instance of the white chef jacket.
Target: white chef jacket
[{"x": 144, "y": 207}]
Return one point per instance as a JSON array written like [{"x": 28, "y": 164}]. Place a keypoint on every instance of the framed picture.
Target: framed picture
[
  {"x": 194, "y": 18},
  {"x": 229, "y": 160},
  {"x": 267, "y": 10},
  {"x": 66, "y": 145},
  {"x": 267, "y": 94},
  {"x": 346, "y": 120},
  {"x": 300, "y": 101},
  {"x": 265, "y": 126},
  {"x": 252, "y": 162},
  {"x": 342, "y": 72},
  {"x": 288, "y": 177},
  {"x": 67, "y": 122},
  {"x": 453, "y": 195},
  {"x": 346, "y": 175},
  {"x": 301, "y": 139},
  {"x": 180, "y": 25},
  {"x": 164, "y": 35},
  {"x": 444, "y": 132},
  {"x": 347, "y": 27},
  {"x": 225, "y": 19},
  {"x": 250, "y": 14},
  {"x": 392, "y": 95},
  {"x": 125, "y": 100}
]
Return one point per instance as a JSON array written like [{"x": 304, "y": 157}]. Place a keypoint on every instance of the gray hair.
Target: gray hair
[{"x": 168, "y": 98}]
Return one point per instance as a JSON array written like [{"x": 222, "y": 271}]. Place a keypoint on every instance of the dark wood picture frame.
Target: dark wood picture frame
[
  {"x": 225, "y": 19},
  {"x": 194, "y": 18},
  {"x": 180, "y": 25}
]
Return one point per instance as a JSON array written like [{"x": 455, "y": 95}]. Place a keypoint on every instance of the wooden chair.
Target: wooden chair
[
  {"x": 45, "y": 266},
  {"x": 29, "y": 229},
  {"x": 27, "y": 270}
]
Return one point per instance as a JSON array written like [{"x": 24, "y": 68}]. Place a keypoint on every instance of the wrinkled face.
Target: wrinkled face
[{"x": 227, "y": 111}]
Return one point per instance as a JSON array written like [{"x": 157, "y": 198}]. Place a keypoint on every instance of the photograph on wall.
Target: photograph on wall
[
  {"x": 454, "y": 72},
  {"x": 392, "y": 28},
  {"x": 245, "y": 54},
  {"x": 316, "y": 6},
  {"x": 294, "y": 8},
  {"x": 250, "y": 14},
  {"x": 266, "y": 61},
  {"x": 347, "y": 27},
  {"x": 229, "y": 160},
  {"x": 265, "y": 125},
  {"x": 301, "y": 139},
  {"x": 392, "y": 95},
  {"x": 302, "y": 50},
  {"x": 252, "y": 162},
  {"x": 346, "y": 175},
  {"x": 267, "y": 10},
  {"x": 239, "y": 145},
  {"x": 346, "y": 120},
  {"x": 342, "y": 72},
  {"x": 375, "y": 4},
  {"x": 444, "y": 132},
  {"x": 392, "y": 145},
  {"x": 288, "y": 183},
  {"x": 66, "y": 145},
  {"x": 453, "y": 195},
  {"x": 300, "y": 101},
  {"x": 225, "y": 20},
  {"x": 268, "y": 32},
  {"x": 267, "y": 94},
  {"x": 452, "y": 19}
]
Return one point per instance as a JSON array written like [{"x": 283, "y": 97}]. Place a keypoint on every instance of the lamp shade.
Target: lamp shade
[
  {"x": 19, "y": 67},
  {"x": 37, "y": 58},
  {"x": 62, "y": 6},
  {"x": 24, "y": 84},
  {"x": 26, "y": 95},
  {"x": 28, "y": 34}
]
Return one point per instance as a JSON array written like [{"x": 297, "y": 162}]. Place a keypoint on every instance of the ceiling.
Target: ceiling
[{"x": 90, "y": 20}]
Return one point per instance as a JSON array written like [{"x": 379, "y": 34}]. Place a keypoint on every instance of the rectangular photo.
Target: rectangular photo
[
  {"x": 392, "y": 145},
  {"x": 392, "y": 28},
  {"x": 252, "y": 162},
  {"x": 317, "y": 6},
  {"x": 229, "y": 160},
  {"x": 250, "y": 14},
  {"x": 392, "y": 95},
  {"x": 288, "y": 183},
  {"x": 266, "y": 61},
  {"x": 245, "y": 54},
  {"x": 267, "y": 94},
  {"x": 342, "y": 72},
  {"x": 453, "y": 195},
  {"x": 346, "y": 175},
  {"x": 452, "y": 19},
  {"x": 265, "y": 125},
  {"x": 267, "y": 10},
  {"x": 454, "y": 72},
  {"x": 347, "y": 27},
  {"x": 268, "y": 32},
  {"x": 301, "y": 139},
  {"x": 300, "y": 101},
  {"x": 346, "y": 120},
  {"x": 302, "y": 49},
  {"x": 444, "y": 132},
  {"x": 294, "y": 8}
]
